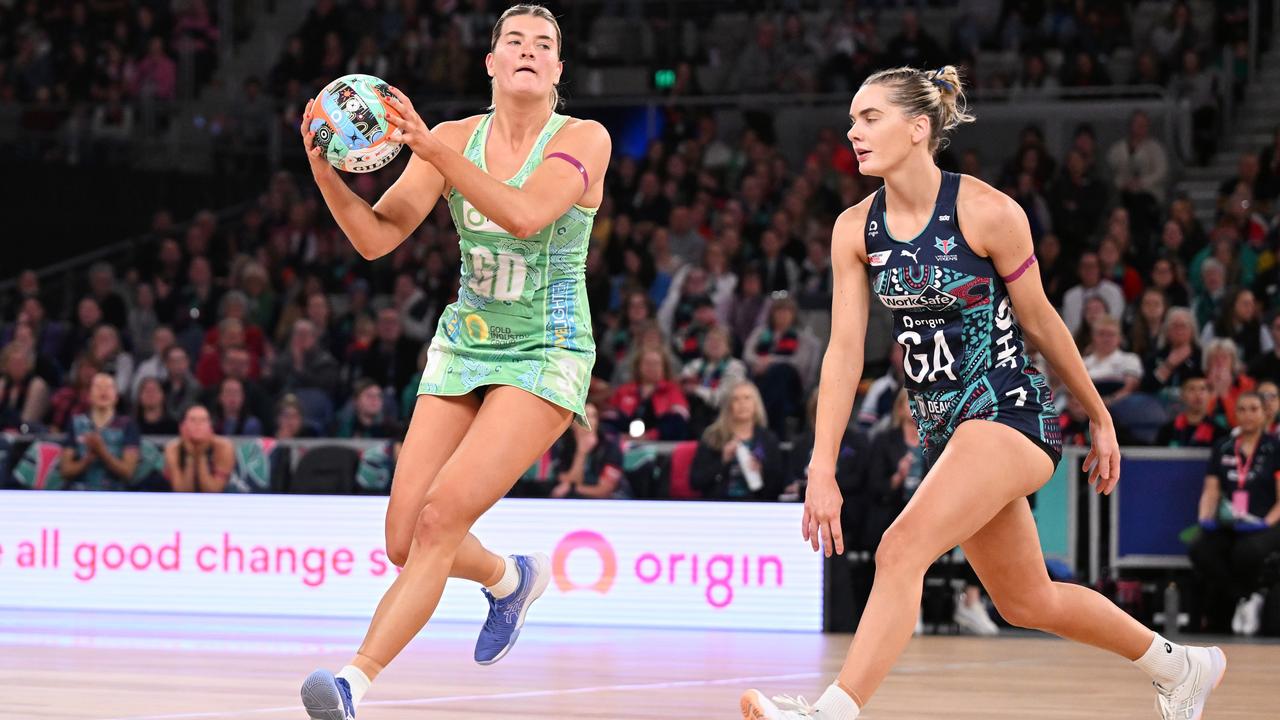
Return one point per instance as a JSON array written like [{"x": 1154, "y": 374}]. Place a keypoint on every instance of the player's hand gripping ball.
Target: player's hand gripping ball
[{"x": 347, "y": 122}]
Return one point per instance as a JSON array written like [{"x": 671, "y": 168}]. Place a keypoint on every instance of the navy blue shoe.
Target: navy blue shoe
[
  {"x": 327, "y": 697},
  {"x": 506, "y": 615}
]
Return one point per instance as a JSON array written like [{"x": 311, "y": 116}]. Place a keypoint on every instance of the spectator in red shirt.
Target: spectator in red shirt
[
  {"x": 1193, "y": 427},
  {"x": 783, "y": 358},
  {"x": 235, "y": 304},
  {"x": 652, "y": 406},
  {"x": 1226, "y": 378},
  {"x": 1116, "y": 270},
  {"x": 73, "y": 399}
]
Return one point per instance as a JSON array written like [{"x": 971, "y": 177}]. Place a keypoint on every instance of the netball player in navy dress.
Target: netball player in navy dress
[{"x": 952, "y": 258}]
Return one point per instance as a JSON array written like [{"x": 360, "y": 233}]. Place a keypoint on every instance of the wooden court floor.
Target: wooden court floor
[{"x": 153, "y": 667}]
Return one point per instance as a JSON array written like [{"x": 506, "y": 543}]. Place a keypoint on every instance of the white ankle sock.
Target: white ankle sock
[
  {"x": 1164, "y": 661},
  {"x": 358, "y": 681},
  {"x": 836, "y": 704},
  {"x": 509, "y": 582}
]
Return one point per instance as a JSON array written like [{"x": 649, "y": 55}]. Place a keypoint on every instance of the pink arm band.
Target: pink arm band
[
  {"x": 586, "y": 183},
  {"x": 1021, "y": 269}
]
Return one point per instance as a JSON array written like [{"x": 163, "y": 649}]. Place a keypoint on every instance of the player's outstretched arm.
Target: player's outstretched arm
[
  {"x": 584, "y": 149},
  {"x": 377, "y": 230}
]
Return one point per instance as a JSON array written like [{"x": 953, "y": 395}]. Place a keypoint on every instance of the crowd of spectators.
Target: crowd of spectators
[
  {"x": 784, "y": 46},
  {"x": 77, "y": 73},
  {"x": 709, "y": 262},
  {"x": 79, "y": 76}
]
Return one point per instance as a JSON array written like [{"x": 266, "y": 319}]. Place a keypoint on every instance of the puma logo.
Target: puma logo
[{"x": 912, "y": 254}]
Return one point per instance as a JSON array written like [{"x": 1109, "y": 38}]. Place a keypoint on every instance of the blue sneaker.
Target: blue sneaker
[
  {"x": 506, "y": 616},
  {"x": 327, "y": 697}
]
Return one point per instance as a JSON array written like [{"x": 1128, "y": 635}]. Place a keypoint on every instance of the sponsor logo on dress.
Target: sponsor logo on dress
[
  {"x": 1008, "y": 350},
  {"x": 943, "y": 218},
  {"x": 933, "y": 409},
  {"x": 930, "y": 299},
  {"x": 911, "y": 254},
  {"x": 473, "y": 219},
  {"x": 500, "y": 334},
  {"x": 477, "y": 328},
  {"x": 879, "y": 258},
  {"x": 452, "y": 324},
  {"x": 562, "y": 328},
  {"x": 873, "y": 229}
]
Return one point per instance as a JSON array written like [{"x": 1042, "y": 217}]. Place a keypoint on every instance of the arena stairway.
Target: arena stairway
[{"x": 1253, "y": 128}]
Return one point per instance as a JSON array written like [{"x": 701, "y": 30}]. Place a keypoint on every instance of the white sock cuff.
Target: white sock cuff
[
  {"x": 836, "y": 704},
  {"x": 1164, "y": 661},
  {"x": 358, "y": 681},
  {"x": 509, "y": 582}
]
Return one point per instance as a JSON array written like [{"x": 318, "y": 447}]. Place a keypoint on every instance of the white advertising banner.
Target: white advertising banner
[{"x": 625, "y": 563}]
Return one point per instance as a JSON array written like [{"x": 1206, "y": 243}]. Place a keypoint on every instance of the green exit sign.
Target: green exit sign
[{"x": 664, "y": 79}]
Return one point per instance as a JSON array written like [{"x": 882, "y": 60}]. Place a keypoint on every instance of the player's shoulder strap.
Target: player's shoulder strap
[
  {"x": 874, "y": 231},
  {"x": 475, "y": 144},
  {"x": 947, "y": 196},
  {"x": 554, "y": 123}
]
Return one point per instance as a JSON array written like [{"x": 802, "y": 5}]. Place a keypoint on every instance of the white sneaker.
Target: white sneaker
[
  {"x": 1206, "y": 666},
  {"x": 974, "y": 618},
  {"x": 755, "y": 706},
  {"x": 1237, "y": 620},
  {"x": 1251, "y": 614}
]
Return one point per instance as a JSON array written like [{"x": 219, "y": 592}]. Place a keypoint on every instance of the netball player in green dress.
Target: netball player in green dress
[{"x": 509, "y": 366}]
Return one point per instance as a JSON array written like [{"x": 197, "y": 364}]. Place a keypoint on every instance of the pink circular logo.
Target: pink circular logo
[{"x": 585, "y": 540}]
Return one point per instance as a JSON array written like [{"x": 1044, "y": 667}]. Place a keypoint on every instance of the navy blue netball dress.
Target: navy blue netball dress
[{"x": 963, "y": 356}]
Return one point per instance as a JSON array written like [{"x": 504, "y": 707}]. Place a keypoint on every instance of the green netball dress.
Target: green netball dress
[{"x": 521, "y": 317}]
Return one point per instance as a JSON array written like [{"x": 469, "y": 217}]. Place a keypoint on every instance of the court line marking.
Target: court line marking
[
  {"x": 622, "y": 687},
  {"x": 496, "y": 696}
]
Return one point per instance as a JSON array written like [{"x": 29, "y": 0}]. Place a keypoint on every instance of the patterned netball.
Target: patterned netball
[{"x": 349, "y": 120}]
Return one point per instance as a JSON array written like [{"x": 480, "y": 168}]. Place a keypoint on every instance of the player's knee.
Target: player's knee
[
  {"x": 397, "y": 551},
  {"x": 897, "y": 552},
  {"x": 1032, "y": 609},
  {"x": 437, "y": 525},
  {"x": 399, "y": 536}
]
